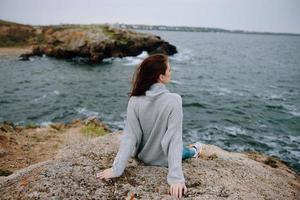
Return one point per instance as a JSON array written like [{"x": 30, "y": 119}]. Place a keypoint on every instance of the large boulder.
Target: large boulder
[{"x": 217, "y": 174}]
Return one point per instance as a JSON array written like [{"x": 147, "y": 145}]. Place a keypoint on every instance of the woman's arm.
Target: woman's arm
[
  {"x": 130, "y": 140},
  {"x": 172, "y": 142},
  {"x": 172, "y": 146}
]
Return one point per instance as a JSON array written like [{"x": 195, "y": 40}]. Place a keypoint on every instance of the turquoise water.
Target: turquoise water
[{"x": 240, "y": 92}]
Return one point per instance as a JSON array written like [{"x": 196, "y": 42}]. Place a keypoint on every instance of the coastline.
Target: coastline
[{"x": 73, "y": 156}]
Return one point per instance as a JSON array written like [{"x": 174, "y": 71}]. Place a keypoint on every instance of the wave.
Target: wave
[
  {"x": 195, "y": 104},
  {"x": 39, "y": 98},
  {"x": 183, "y": 56},
  {"x": 291, "y": 109},
  {"x": 87, "y": 112},
  {"x": 55, "y": 92},
  {"x": 222, "y": 91},
  {"x": 176, "y": 82},
  {"x": 143, "y": 55},
  {"x": 45, "y": 123},
  {"x": 130, "y": 60},
  {"x": 116, "y": 125},
  {"x": 234, "y": 130},
  {"x": 273, "y": 106},
  {"x": 270, "y": 96}
]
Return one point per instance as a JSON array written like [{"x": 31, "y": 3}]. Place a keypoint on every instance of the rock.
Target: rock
[
  {"x": 94, "y": 120},
  {"x": 3, "y": 152},
  {"x": 92, "y": 43},
  {"x": 7, "y": 127},
  {"x": 216, "y": 174},
  {"x": 4, "y": 172},
  {"x": 96, "y": 43},
  {"x": 57, "y": 126}
]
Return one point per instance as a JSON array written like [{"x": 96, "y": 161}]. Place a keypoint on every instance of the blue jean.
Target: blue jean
[{"x": 187, "y": 153}]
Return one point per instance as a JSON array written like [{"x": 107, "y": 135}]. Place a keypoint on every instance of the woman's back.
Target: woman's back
[{"x": 153, "y": 111}]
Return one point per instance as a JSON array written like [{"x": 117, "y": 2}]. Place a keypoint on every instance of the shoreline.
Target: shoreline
[{"x": 15, "y": 50}]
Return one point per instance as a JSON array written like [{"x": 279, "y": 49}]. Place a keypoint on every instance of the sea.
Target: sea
[{"x": 240, "y": 92}]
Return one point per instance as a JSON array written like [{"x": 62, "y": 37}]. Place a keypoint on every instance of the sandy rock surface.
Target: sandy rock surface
[{"x": 216, "y": 174}]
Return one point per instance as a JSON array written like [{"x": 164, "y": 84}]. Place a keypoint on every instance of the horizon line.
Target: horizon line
[{"x": 183, "y": 26}]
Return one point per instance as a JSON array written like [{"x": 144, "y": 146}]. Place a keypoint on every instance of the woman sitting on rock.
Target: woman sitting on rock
[{"x": 153, "y": 129}]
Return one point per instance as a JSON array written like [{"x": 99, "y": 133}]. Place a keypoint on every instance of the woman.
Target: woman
[{"x": 153, "y": 130}]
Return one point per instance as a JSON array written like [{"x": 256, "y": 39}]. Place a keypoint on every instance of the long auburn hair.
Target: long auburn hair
[{"x": 147, "y": 73}]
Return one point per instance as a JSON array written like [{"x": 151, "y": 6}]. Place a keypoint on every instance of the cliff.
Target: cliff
[{"x": 70, "y": 172}]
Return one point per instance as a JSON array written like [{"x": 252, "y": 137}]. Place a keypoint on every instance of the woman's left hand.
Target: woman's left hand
[{"x": 106, "y": 174}]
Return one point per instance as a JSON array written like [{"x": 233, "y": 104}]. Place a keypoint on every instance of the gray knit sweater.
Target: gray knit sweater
[{"x": 153, "y": 132}]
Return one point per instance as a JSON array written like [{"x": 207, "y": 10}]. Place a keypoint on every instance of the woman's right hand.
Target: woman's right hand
[
  {"x": 106, "y": 174},
  {"x": 177, "y": 188}
]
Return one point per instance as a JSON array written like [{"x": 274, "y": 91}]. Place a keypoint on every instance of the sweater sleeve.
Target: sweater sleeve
[
  {"x": 130, "y": 140},
  {"x": 172, "y": 144}
]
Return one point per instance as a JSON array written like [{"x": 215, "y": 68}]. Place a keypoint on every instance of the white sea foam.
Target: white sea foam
[
  {"x": 263, "y": 126},
  {"x": 143, "y": 55},
  {"x": 87, "y": 112},
  {"x": 271, "y": 96},
  {"x": 183, "y": 55},
  {"x": 234, "y": 130},
  {"x": 292, "y": 109},
  {"x": 221, "y": 91},
  {"x": 56, "y": 92},
  {"x": 176, "y": 82},
  {"x": 119, "y": 124},
  {"x": 39, "y": 98},
  {"x": 272, "y": 86},
  {"x": 46, "y": 123},
  {"x": 129, "y": 60},
  {"x": 276, "y": 96},
  {"x": 132, "y": 61}
]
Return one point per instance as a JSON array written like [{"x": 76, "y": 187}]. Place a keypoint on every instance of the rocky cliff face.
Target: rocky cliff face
[{"x": 216, "y": 174}]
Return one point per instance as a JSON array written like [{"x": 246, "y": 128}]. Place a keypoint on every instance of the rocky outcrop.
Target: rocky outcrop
[
  {"x": 97, "y": 43},
  {"x": 216, "y": 174},
  {"x": 90, "y": 43}
]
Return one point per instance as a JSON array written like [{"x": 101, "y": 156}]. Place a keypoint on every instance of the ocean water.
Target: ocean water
[{"x": 240, "y": 91}]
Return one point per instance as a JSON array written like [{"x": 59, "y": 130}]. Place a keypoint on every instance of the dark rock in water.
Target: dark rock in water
[
  {"x": 96, "y": 43},
  {"x": 25, "y": 56}
]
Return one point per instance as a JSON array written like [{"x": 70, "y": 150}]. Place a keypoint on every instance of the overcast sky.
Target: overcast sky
[{"x": 252, "y": 15}]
